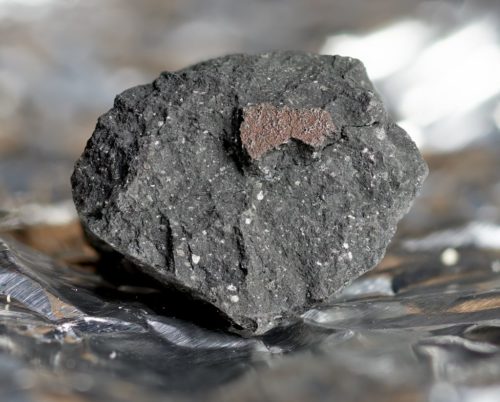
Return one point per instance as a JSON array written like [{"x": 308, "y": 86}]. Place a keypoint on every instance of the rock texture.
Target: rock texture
[{"x": 262, "y": 184}]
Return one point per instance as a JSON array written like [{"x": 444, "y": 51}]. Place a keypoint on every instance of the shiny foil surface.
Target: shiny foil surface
[{"x": 416, "y": 328}]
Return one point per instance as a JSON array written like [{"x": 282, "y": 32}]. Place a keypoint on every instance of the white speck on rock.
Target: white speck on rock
[
  {"x": 196, "y": 259},
  {"x": 161, "y": 123},
  {"x": 248, "y": 221},
  {"x": 380, "y": 133},
  {"x": 345, "y": 245},
  {"x": 234, "y": 298},
  {"x": 260, "y": 196},
  {"x": 297, "y": 183},
  {"x": 112, "y": 355},
  {"x": 231, "y": 288}
]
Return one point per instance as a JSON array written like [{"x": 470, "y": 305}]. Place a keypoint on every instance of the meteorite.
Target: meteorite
[{"x": 262, "y": 184}]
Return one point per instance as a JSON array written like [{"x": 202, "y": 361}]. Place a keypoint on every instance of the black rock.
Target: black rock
[{"x": 262, "y": 184}]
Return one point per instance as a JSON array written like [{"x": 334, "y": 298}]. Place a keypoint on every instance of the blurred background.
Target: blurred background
[{"x": 436, "y": 63}]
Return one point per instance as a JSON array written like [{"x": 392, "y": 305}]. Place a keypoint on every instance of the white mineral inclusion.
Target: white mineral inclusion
[
  {"x": 260, "y": 196},
  {"x": 234, "y": 298},
  {"x": 248, "y": 221},
  {"x": 196, "y": 259},
  {"x": 231, "y": 288}
]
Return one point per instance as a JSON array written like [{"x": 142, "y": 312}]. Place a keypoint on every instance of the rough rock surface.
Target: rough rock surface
[{"x": 262, "y": 184}]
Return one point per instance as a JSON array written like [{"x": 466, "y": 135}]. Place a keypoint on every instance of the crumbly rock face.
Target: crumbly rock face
[{"x": 261, "y": 184}]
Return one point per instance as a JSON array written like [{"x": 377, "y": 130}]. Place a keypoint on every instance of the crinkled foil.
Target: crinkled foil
[{"x": 414, "y": 329}]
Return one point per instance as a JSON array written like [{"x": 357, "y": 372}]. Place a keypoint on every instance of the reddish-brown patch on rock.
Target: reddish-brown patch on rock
[{"x": 265, "y": 127}]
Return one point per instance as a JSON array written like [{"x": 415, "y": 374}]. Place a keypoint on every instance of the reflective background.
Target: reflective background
[{"x": 423, "y": 326}]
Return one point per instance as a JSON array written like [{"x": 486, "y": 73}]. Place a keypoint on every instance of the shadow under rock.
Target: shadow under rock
[{"x": 131, "y": 285}]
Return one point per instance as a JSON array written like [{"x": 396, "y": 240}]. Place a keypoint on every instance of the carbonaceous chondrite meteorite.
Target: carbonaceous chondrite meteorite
[{"x": 262, "y": 184}]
